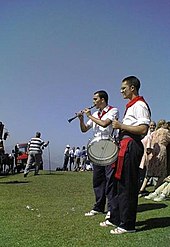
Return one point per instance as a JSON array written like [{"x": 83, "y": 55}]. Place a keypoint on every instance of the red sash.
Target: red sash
[
  {"x": 119, "y": 163},
  {"x": 101, "y": 114}
]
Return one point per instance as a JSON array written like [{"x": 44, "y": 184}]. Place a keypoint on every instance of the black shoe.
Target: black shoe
[
  {"x": 25, "y": 175},
  {"x": 143, "y": 193}
]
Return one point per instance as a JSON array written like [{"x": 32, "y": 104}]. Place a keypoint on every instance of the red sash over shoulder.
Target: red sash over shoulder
[{"x": 133, "y": 101}]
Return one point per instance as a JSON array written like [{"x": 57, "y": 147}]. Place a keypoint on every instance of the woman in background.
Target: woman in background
[
  {"x": 145, "y": 159},
  {"x": 158, "y": 157}
]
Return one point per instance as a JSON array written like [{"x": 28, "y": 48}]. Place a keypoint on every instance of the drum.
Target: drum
[{"x": 102, "y": 150}]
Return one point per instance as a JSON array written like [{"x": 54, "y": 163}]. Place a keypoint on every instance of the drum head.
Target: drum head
[{"x": 102, "y": 152}]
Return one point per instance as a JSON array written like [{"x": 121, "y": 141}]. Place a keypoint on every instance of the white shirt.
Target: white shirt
[
  {"x": 99, "y": 130},
  {"x": 66, "y": 152},
  {"x": 84, "y": 153},
  {"x": 77, "y": 153},
  {"x": 71, "y": 153},
  {"x": 137, "y": 114}
]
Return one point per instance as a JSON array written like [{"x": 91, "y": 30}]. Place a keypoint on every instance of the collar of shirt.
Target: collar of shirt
[{"x": 104, "y": 111}]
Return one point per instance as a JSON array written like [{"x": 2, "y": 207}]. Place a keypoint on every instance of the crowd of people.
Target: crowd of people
[
  {"x": 76, "y": 159},
  {"x": 155, "y": 163}
]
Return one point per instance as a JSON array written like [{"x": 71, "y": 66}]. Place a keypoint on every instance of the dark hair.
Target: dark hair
[
  {"x": 133, "y": 81},
  {"x": 102, "y": 94},
  {"x": 153, "y": 122},
  {"x": 38, "y": 134},
  {"x": 168, "y": 123}
]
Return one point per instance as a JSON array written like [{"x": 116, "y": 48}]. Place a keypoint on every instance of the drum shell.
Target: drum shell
[{"x": 102, "y": 150}]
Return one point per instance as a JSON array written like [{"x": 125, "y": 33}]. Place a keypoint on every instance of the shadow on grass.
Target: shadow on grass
[
  {"x": 150, "y": 206},
  {"x": 153, "y": 223},
  {"x": 52, "y": 173},
  {"x": 15, "y": 182}
]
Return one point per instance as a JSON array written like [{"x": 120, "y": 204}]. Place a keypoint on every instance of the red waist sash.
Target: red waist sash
[{"x": 119, "y": 163}]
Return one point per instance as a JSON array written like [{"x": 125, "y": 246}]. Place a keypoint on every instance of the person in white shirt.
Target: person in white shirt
[
  {"x": 66, "y": 157},
  {"x": 71, "y": 161},
  {"x": 101, "y": 123},
  {"x": 77, "y": 156},
  {"x": 134, "y": 126},
  {"x": 83, "y": 158}
]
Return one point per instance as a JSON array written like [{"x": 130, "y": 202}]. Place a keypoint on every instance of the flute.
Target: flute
[{"x": 71, "y": 119}]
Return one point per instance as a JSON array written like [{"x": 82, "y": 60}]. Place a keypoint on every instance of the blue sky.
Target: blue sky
[{"x": 55, "y": 54}]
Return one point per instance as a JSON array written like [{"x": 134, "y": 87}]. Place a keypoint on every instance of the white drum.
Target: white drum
[{"x": 102, "y": 151}]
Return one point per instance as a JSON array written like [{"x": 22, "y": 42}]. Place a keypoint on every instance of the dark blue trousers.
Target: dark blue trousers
[
  {"x": 125, "y": 199},
  {"x": 103, "y": 186}
]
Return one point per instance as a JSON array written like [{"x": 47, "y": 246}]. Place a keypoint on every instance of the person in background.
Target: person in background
[
  {"x": 77, "y": 156},
  {"x": 162, "y": 192},
  {"x": 89, "y": 166},
  {"x": 158, "y": 157},
  {"x": 83, "y": 158},
  {"x": 143, "y": 168},
  {"x": 101, "y": 122},
  {"x": 35, "y": 146},
  {"x": 133, "y": 128},
  {"x": 71, "y": 161},
  {"x": 168, "y": 152},
  {"x": 66, "y": 157}
]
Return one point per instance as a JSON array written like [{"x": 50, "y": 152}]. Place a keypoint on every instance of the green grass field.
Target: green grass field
[{"x": 48, "y": 210}]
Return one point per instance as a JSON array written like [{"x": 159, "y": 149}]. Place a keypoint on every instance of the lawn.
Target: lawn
[{"x": 48, "y": 210}]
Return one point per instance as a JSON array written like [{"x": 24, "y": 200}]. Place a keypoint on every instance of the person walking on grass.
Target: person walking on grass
[{"x": 35, "y": 146}]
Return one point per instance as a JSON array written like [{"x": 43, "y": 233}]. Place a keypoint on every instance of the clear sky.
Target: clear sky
[{"x": 54, "y": 54}]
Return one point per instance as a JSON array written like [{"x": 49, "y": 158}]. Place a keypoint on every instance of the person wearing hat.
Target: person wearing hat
[
  {"x": 66, "y": 157},
  {"x": 35, "y": 146}
]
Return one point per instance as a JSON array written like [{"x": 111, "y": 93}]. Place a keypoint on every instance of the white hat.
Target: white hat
[{"x": 68, "y": 146}]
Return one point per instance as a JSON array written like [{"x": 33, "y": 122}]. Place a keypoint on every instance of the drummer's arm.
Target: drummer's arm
[{"x": 137, "y": 130}]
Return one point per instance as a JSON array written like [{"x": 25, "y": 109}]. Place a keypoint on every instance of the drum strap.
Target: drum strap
[{"x": 119, "y": 163}]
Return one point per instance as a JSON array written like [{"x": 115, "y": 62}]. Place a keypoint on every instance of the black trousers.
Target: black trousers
[
  {"x": 66, "y": 159},
  {"x": 103, "y": 186},
  {"x": 125, "y": 199}
]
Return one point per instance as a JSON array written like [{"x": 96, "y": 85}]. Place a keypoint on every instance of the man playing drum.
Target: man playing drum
[
  {"x": 132, "y": 129},
  {"x": 101, "y": 122}
]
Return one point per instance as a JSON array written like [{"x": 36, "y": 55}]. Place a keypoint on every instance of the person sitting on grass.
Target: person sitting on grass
[{"x": 162, "y": 192}]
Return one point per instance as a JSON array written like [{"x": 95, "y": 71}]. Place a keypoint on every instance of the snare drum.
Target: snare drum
[{"x": 102, "y": 151}]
